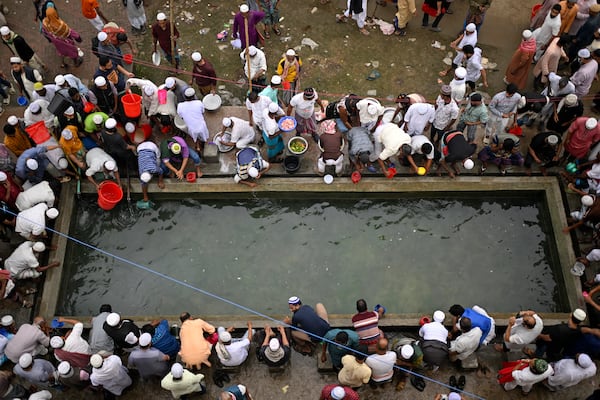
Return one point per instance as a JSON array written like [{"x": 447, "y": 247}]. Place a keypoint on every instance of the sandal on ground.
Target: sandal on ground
[
  {"x": 64, "y": 179},
  {"x": 462, "y": 381},
  {"x": 30, "y": 291},
  {"x": 26, "y": 304},
  {"x": 267, "y": 35},
  {"x": 364, "y": 31},
  {"x": 277, "y": 31},
  {"x": 443, "y": 73},
  {"x": 401, "y": 385},
  {"x": 340, "y": 18},
  {"x": 452, "y": 382}
]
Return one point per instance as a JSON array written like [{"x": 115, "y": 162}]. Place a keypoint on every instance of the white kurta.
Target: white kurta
[
  {"x": 112, "y": 375},
  {"x": 568, "y": 373},
  {"x": 192, "y": 113}
]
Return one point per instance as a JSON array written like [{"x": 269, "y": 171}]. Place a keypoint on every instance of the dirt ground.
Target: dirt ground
[{"x": 336, "y": 67}]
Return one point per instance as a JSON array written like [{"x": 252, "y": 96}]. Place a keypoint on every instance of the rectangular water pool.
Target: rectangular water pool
[{"x": 413, "y": 253}]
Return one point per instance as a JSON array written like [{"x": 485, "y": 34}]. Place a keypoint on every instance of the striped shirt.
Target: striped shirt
[
  {"x": 149, "y": 158},
  {"x": 365, "y": 324}
]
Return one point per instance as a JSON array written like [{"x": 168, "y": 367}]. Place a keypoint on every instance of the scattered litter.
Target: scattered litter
[
  {"x": 281, "y": 19},
  {"x": 286, "y": 387},
  {"x": 447, "y": 61},
  {"x": 372, "y": 92},
  {"x": 222, "y": 36},
  {"x": 310, "y": 43},
  {"x": 222, "y": 47},
  {"x": 204, "y": 31},
  {"x": 236, "y": 43},
  {"x": 385, "y": 27},
  {"x": 373, "y": 75},
  {"x": 436, "y": 44},
  {"x": 392, "y": 65},
  {"x": 367, "y": 64},
  {"x": 286, "y": 39},
  {"x": 188, "y": 15},
  {"x": 412, "y": 39},
  {"x": 450, "y": 54},
  {"x": 443, "y": 47},
  {"x": 375, "y": 64},
  {"x": 314, "y": 10}
]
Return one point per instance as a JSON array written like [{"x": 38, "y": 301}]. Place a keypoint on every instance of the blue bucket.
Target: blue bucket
[{"x": 22, "y": 101}]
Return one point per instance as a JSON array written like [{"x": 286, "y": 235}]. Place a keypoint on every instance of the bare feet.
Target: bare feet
[
  {"x": 198, "y": 173},
  {"x": 443, "y": 73},
  {"x": 161, "y": 185}
]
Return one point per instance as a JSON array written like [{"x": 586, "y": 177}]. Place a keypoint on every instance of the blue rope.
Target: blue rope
[{"x": 237, "y": 305}]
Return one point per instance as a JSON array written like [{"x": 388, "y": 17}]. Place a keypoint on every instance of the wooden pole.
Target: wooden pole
[
  {"x": 172, "y": 32},
  {"x": 248, "y": 54}
]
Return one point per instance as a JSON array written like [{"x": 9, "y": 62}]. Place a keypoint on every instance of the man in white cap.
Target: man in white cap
[
  {"x": 455, "y": 148},
  {"x": 93, "y": 125},
  {"x": 24, "y": 76},
  {"x": 136, "y": 15},
  {"x": 120, "y": 329},
  {"x": 370, "y": 112},
  {"x": 38, "y": 372},
  {"x": 91, "y": 11},
  {"x": 418, "y": 118},
  {"x": 569, "y": 372},
  {"x": 389, "y": 140},
  {"x": 15, "y": 138},
  {"x": 149, "y": 361},
  {"x": 107, "y": 49},
  {"x": 585, "y": 75},
  {"x": 331, "y": 143},
  {"x": 250, "y": 166},
  {"x": 449, "y": 396},
  {"x": 314, "y": 321},
  {"x": 235, "y": 392},
  {"x": 31, "y": 223},
  {"x": 434, "y": 344},
  {"x": 38, "y": 111},
  {"x": 272, "y": 89},
  {"x": 149, "y": 94},
  {"x": 240, "y": 131},
  {"x": 100, "y": 162},
  {"x": 467, "y": 37},
  {"x": 177, "y": 86},
  {"x": 181, "y": 382},
  {"x": 233, "y": 352},
  {"x": 337, "y": 392},
  {"x": 255, "y": 67},
  {"x": 271, "y": 134},
  {"x": 555, "y": 338},
  {"x": 113, "y": 72},
  {"x": 72, "y": 146},
  {"x": 410, "y": 356},
  {"x": 244, "y": 23},
  {"x": 564, "y": 113},
  {"x": 30, "y": 338},
  {"x": 303, "y": 105},
  {"x": 116, "y": 146},
  {"x": 149, "y": 164},
  {"x": 582, "y": 134},
  {"x": 106, "y": 94},
  {"x": 203, "y": 74},
  {"x": 288, "y": 68},
  {"x": 275, "y": 348},
  {"x": 175, "y": 154},
  {"x": 161, "y": 34},
  {"x": 67, "y": 81},
  {"x": 459, "y": 85},
  {"x": 20, "y": 48},
  {"x": 72, "y": 347},
  {"x": 192, "y": 113},
  {"x": 73, "y": 377},
  {"x": 23, "y": 263},
  {"x": 7, "y": 326},
  {"x": 44, "y": 92},
  {"x": 31, "y": 164},
  {"x": 110, "y": 374}
]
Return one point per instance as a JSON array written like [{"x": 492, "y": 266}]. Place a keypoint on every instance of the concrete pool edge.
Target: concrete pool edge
[{"x": 548, "y": 185}]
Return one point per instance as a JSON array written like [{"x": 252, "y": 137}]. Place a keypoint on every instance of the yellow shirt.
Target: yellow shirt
[
  {"x": 72, "y": 146},
  {"x": 17, "y": 143},
  {"x": 292, "y": 70}
]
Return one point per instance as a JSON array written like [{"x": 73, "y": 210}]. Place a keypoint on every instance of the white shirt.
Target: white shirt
[
  {"x": 189, "y": 383},
  {"x": 444, "y": 113},
  {"x": 257, "y": 108},
  {"x": 473, "y": 66},
  {"x": 568, "y": 373},
  {"x": 459, "y": 89},
  {"x": 241, "y": 130},
  {"x": 304, "y": 108},
  {"x": 257, "y": 62},
  {"x": 526, "y": 378},
  {"x": 471, "y": 39},
  {"x": 363, "y": 113},
  {"x": 382, "y": 366},
  {"x": 549, "y": 28},
  {"x": 32, "y": 221},
  {"x": 417, "y": 141},
  {"x": 50, "y": 91},
  {"x": 269, "y": 125},
  {"x": 95, "y": 159},
  {"x": 520, "y": 336},
  {"x": 238, "y": 351},
  {"x": 75, "y": 343},
  {"x": 434, "y": 331},
  {"x": 466, "y": 343},
  {"x": 21, "y": 259},
  {"x": 192, "y": 112},
  {"x": 392, "y": 138},
  {"x": 112, "y": 375},
  {"x": 417, "y": 117}
]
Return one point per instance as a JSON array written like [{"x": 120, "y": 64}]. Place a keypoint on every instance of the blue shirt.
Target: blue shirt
[
  {"x": 307, "y": 319},
  {"x": 26, "y": 174},
  {"x": 337, "y": 352},
  {"x": 164, "y": 341}
]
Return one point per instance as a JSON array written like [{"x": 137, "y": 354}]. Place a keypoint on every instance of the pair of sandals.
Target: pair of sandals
[
  {"x": 460, "y": 384},
  {"x": 220, "y": 378}
]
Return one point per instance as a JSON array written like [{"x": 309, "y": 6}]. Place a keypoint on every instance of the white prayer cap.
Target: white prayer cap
[
  {"x": 584, "y": 53},
  {"x": 169, "y": 82},
  {"x": 552, "y": 140},
  {"x": 52, "y": 213},
  {"x": 39, "y": 247},
  {"x": 372, "y": 109},
  {"x": 56, "y": 342},
  {"x": 587, "y": 200},
  {"x": 100, "y": 81},
  {"x": 149, "y": 90},
  {"x": 97, "y": 119},
  {"x": 224, "y": 336},
  {"x": 175, "y": 148},
  {"x": 113, "y": 319},
  {"x": 177, "y": 370},
  {"x": 5, "y": 30},
  {"x": 25, "y": 360},
  {"x": 64, "y": 368},
  {"x": 584, "y": 360},
  {"x": 15, "y": 60},
  {"x": 571, "y": 99},
  {"x": 110, "y": 123},
  {"x": 242, "y": 388},
  {"x": 276, "y": 80},
  {"x": 290, "y": 52},
  {"x": 35, "y": 108},
  {"x": 130, "y": 127},
  {"x": 145, "y": 339},
  {"x": 189, "y": 92},
  {"x": 244, "y": 8},
  {"x": 579, "y": 315},
  {"x": 59, "y": 80},
  {"x": 253, "y": 172},
  {"x": 471, "y": 27},
  {"x": 273, "y": 107},
  {"x": 338, "y": 393},
  {"x": 67, "y": 134},
  {"x": 63, "y": 163},
  {"x": 96, "y": 360},
  {"x": 460, "y": 72},
  {"x": 145, "y": 177},
  {"x": 131, "y": 338},
  {"x": 294, "y": 300},
  {"x": 407, "y": 351},
  {"x": 196, "y": 56},
  {"x": 110, "y": 165},
  {"x": 32, "y": 164},
  {"x": 468, "y": 164},
  {"x": 274, "y": 344},
  {"x": 454, "y": 396},
  {"x": 527, "y": 34},
  {"x": 591, "y": 123},
  {"x": 7, "y": 320},
  {"x": 439, "y": 316},
  {"x": 3, "y": 176},
  {"x": 227, "y": 122},
  {"x": 70, "y": 110},
  {"x": 102, "y": 36},
  {"x": 252, "y": 50},
  {"x": 161, "y": 16},
  {"x": 12, "y": 120}
]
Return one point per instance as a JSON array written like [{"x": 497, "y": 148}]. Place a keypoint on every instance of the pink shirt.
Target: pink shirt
[{"x": 581, "y": 139}]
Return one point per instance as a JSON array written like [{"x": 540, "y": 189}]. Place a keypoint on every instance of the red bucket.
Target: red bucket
[
  {"x": 191, "y": 177},
  {"x": 88, "y": 108},
  {"x": 109, "y": 194},
  {"x": 391, "y": 172},
  {"x": 128, "y": 59},
  {"x": 356, "y": 177},
  {"x": 424, "y": 320},
  {"x": 132, "y": 105}
]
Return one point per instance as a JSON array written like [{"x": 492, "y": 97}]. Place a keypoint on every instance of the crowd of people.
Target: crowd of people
[{"x": 70, "y": 129}]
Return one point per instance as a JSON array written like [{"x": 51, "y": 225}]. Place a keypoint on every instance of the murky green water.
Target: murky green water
[{"x": 411, "y": 254}]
